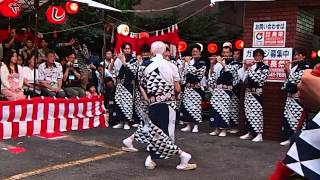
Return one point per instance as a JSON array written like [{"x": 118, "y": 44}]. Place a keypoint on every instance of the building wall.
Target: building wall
[
  {"x": 304, "y": 29},
  {"x": 300, "y": 30}
]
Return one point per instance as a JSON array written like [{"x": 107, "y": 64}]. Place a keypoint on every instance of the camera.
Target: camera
[{"x": 72, "y": 77}]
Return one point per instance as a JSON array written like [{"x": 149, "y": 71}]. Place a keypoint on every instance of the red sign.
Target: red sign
[
  {"x": 269, "y": 34},
  {"x": 275, "y": 58},
  {"x": 56, "y": 15}
]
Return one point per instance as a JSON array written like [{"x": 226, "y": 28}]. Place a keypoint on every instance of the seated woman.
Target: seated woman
[
  {"x": 11, "y": 77},
  {"x": 29, "y": 80}
]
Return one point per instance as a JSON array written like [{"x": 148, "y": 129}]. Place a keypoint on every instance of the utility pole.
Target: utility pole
[
  {"x": 104, "y": 50},
  {"x": 36, "y": 13}
]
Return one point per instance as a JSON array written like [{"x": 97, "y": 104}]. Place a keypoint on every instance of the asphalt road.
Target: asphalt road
[{"x": 96, "y": 154}]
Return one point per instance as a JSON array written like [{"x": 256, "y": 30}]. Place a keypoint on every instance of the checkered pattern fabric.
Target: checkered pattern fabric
[
  {"x": 254, "y": 111},
  {"x": 303, "y": 156}
]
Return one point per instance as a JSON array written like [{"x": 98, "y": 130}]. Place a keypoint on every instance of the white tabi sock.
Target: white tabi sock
[{"x": 184, "y": 158}]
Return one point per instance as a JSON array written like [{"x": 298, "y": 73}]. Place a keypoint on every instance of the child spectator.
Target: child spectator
[{"x": 91, "y": 90}]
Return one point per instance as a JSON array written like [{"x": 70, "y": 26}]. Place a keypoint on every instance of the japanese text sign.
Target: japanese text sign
[
  {"x": 275, "y": 58},
  {"x": 269, "y": 34}
]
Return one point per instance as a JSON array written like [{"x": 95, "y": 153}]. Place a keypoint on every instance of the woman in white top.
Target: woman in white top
[
  {"x": 11, "y": 77},
  {"x": 29, "y": 79}
]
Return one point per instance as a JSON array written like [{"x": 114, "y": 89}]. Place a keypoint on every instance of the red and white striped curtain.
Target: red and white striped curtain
[{"x": 47, "y": 115}]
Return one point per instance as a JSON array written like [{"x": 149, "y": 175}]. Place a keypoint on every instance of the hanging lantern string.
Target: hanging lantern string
[
  {"x": 123, "y": 22},
  {"x": 216, "y": 41},
  {"x": 120, "y": 21},
  {"x": 184, "y": 19},
  {"x": 160, "y": 10},
  {"x": 74, "y": 28},
  {"x": 193, "y": 14},
  {"x": 180, "y": 21},
  {"x": 28, "y": 4}
]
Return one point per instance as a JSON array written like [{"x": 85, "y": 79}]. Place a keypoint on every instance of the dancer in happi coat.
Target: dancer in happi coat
[
  {"x": 254, "y": 77},
  {"x": 212, "y": 78},
  {"x": 181, "y": 68},
  {"x": 141, "y": 105},
  {"x": 221, "y": 102},
  {"x": 190, "y": 110},
  {"x": 303, "y": 157},
  {"x": 139, "y": 102},
  {"x": 160, "y": 82},
  {"x": 167, "y": 56},
  {"x": 293, "y": 108},
  {"x": 125, "y": 67},
  {"x": 235, "y": 97}
]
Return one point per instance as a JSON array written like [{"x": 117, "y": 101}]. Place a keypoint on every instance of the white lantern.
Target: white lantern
[{"x": 123, "y": 29}]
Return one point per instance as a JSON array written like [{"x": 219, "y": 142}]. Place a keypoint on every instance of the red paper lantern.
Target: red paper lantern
[
  {"x": 72, "y": 7},
  {"x": 212, "y": 48},
  {"x": 182, "y": 46},
  {"x": 144, "y": 35},
  {"x": 313, "y": 54},
  {"x": 239, "y": 44},
  {"x": 56, "y": 15},
  {"x": 10, "y": 8}
]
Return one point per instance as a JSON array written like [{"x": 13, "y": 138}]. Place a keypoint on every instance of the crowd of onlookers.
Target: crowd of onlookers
[{"x": 62, "y": 70}]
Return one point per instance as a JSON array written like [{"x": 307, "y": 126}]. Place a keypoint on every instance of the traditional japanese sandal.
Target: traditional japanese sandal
[
  {"x": 151, "y": 166},
  {"x": 127, "y": 149}
]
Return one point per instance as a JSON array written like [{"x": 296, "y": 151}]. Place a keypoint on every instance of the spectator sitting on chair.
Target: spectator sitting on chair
[
  {"x": 93, "y": 64},
  {"x": 29, "y": 81},
  {"x": 99, "y": 73},
  {"x": 43, "y": 50},
  {"x": 82, "y": 56},
  {"x": 20, "y": 60},
  {"x": 11, "y": 77},
  {"x": 50, "y": 76},
  {"x": 71, "y": 77},
  {"x": 27, "y": 50},
  {"x": 106, "y": 84}
]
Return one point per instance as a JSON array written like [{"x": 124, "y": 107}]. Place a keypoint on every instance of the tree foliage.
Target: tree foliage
[{"x": 203, "y": 27}]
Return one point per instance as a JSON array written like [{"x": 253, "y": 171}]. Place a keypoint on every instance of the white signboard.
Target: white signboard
[
  {"x": 275, "y": 58},
  {"x": 269, "y": 34}
]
